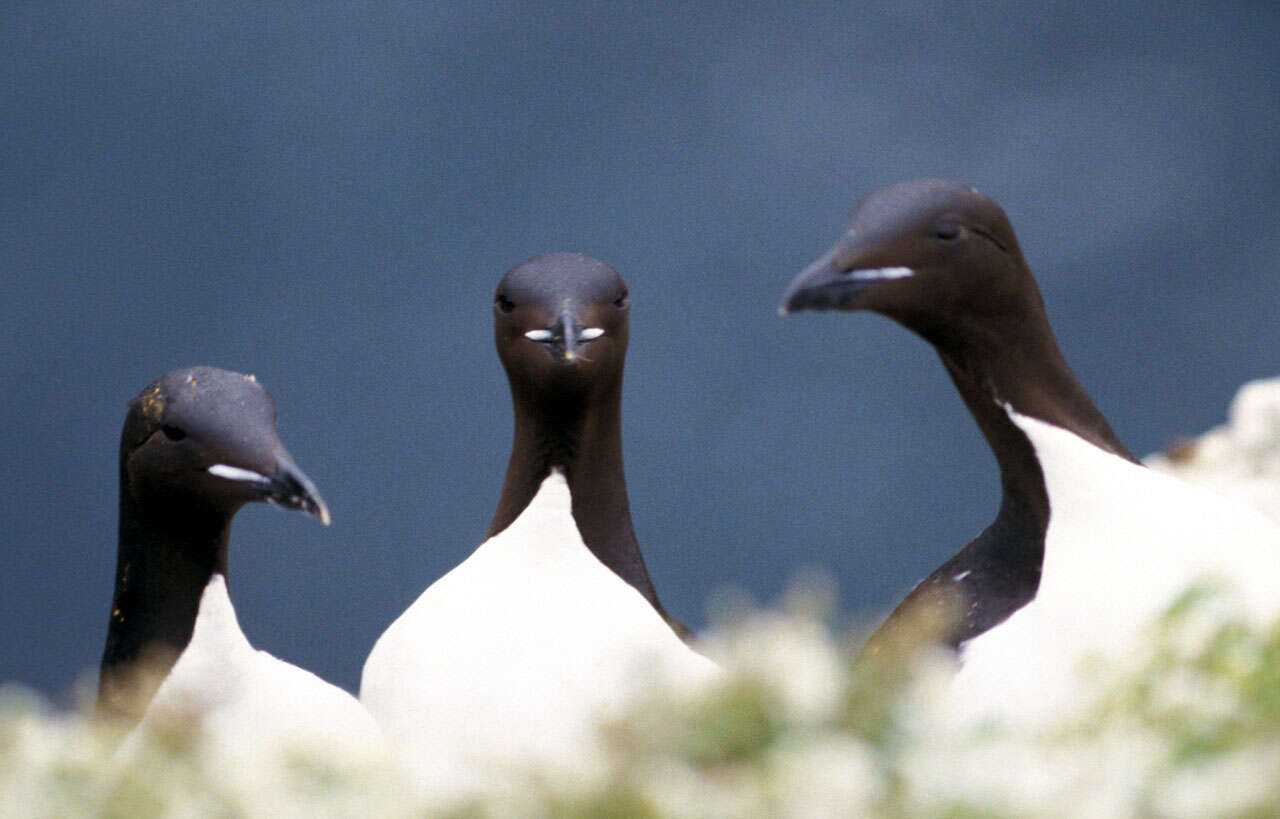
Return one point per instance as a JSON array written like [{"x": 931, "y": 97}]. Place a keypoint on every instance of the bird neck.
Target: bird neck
[
  {"x": 1016, "y": 538},
  {"x": 1017, "y": 365},
  {"x": 167, "y": 554},
  {"x": 581, "y": 435}
]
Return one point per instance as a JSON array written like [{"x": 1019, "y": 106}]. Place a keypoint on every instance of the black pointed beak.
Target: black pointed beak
[
  {"x": 566, "y": 334},
  {"x": 818, "y": 287},
  {"x": 565, "y": 338},
  {"x": 829, "y": 285},
  {"x": 290, "y": 488}
]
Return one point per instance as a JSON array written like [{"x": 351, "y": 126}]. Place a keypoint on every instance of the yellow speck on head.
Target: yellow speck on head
[
  {"x": 251, "y": 377},
  {"x": 152, "y": 406},
  {"x": 570, "y": 355}
]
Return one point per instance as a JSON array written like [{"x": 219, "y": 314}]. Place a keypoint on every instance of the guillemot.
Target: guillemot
[
  {"x": 570, "y": 417},
  {"x": 1087, "y": 544},
  {"x": 197, "y": 445},
  {"x": 552, "y": 623}
]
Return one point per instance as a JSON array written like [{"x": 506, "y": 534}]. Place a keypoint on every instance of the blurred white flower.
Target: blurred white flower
[
  {"x": 1187, "y": 725},
  {"x": 1240, "y": 459}
]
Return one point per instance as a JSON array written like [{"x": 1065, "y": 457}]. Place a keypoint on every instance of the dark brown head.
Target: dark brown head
[
  {"x": 935, "y": 256},
  {"x": 561, "y": 324},
  {"x": 205, "y": 438}
]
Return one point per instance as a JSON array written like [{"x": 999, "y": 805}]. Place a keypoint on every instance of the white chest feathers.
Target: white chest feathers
[
  {"x": 512, "y": 657},
  {"x": 245, "y": 703},
  {"x": 1123, "y": 541}
]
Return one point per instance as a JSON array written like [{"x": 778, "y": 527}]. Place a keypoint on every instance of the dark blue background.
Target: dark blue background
[{"x": 326, "y": 196}]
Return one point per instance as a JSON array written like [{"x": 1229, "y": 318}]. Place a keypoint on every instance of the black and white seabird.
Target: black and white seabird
[
  {"x": 552, "y": 622},
  {"x": 1087, "y": 544},
  {"x": 199, "y": 443}
]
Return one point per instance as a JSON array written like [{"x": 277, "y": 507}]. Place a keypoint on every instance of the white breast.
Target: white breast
[
  {"x": 248, "y": 704},
  {"x": 1122, "y": 543},
  {"x": 513, "y": 656}
]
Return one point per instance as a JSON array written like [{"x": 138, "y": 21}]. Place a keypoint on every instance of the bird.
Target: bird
[
  {"x": 199, "y": 443},
  {"x": 552, "y": 623},
  {"x": 1088, "y": 544}
]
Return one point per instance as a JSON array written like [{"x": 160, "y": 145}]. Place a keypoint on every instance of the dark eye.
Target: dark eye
[
  {"x": 946, "y": 231},
  {"x": 173, "y": 433},
  {"x": 505, "y": 304},
  {"x": 621, "y": 299}
]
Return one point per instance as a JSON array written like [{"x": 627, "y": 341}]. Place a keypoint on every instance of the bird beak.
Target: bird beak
[
  {"x": 564, "y": 334},
  {"x": 829, "y": 285},
  {"x": 566, "y": 337},
  {"x": 289, "y": 488}
]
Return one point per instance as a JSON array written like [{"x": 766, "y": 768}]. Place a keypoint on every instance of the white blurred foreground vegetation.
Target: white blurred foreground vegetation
[{"x": 1189, "y": 725}]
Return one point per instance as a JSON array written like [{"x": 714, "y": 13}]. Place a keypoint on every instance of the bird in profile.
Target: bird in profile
[
  {"x": 513, "y": 656},
  {"x": 1088, "y": 545},
  {"x": 198, "y": 444}
]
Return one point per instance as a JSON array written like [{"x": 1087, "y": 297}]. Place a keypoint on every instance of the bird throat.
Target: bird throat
[
  {"x": 166, "y": 556},
  {"x": 581, "y": 435}
]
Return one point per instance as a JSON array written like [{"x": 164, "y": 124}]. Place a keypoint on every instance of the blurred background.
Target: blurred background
[{"x": 325, "y": 196}]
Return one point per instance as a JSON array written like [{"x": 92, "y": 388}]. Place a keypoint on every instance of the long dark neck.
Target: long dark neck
[
  {"x": 1017, "y": 362},
  {"x": 1001, "y": 355},
  {"x": 1020, "y": 366},
  {"x": 582, "y": 436},
  {"x": 168, "y": 552}
]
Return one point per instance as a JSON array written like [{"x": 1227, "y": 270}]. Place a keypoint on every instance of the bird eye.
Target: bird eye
[
  {"x": 173, "y": 433},
  {"x": 946, "y": 231},
  {"x": 505, "y": 304},
  {"x": 621, "y": 299}
]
